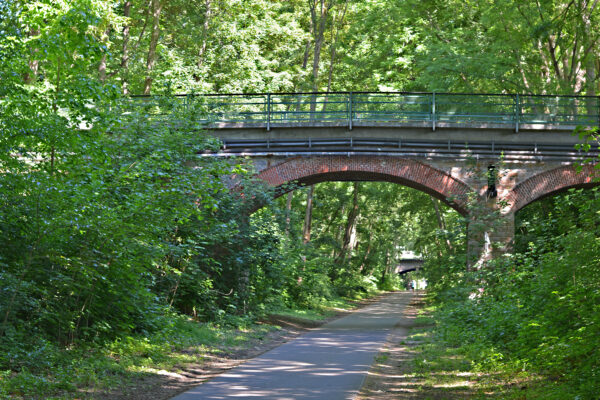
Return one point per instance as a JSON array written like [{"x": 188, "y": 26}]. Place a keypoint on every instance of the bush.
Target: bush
[{"x": 539, "y": 308}]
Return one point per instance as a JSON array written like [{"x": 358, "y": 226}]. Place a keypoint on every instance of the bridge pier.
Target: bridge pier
[
  {"x": 491, "y": 218},
  {"x": 489, "y": 235},
  {"x": 491, "y": 227}
]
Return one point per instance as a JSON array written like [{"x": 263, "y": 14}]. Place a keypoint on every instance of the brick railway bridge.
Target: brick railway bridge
[{"x": 475, "y": 152}]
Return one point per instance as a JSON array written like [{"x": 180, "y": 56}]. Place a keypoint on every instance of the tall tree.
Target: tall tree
[
  {"x": 319, "y": 14},
  {"x": 125, "y": 48},
  {"x": 308, "y": 215},
  {"x": 32, "y": 73},
  {"x": 288, "y": 211},
  {"x": 205, "y": 27},
  {"x": 156, "y": 7},
  {"x": 350, "y": 229}
]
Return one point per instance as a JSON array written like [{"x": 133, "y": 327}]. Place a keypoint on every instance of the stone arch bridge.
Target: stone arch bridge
[{"x": 475, "y": 152}]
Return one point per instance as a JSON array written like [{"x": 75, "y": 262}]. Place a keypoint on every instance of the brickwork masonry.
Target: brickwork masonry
[{"x": 452, "y": 181}]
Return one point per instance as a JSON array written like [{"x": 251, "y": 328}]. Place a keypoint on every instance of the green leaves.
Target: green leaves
[
  {"x": 539, "y": 307},
  {"x": 108, "y": 219}
]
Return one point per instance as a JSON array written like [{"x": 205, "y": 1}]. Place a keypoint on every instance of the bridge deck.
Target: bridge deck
[{"x": 428, "y": 124}]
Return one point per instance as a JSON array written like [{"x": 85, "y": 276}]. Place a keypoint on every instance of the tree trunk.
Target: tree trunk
[
  {"x": 590, "y": 63},
  {"x": 333, "y": 53},
  {"x": 125, "y": 53},
  {"x": 334, "y": 46},
  {"x": 205, "y": 26},
  {"x": 102, "y": 65},
  {"x": 151, "y": 60},
  {"x": 319, "y": 21},
  {"x": 590, "y": 83},
  {"x": 34, "y": 64},
  {"x": 306, "y": 53},
  {"x": 363, "y": 265},
  {"x": 350, "y": 226},
  {"x": 590, "y": 77},
  {"x": 338, "y": 230},
  {"x": 308, "y": 216},
  {"x": 288, "y": 212},
  {"x": 317, "y": 57},
  {"x": 386, "y": 267},
  {"x": 440, "y": 219},
  {"x": 55, "y": 108}
]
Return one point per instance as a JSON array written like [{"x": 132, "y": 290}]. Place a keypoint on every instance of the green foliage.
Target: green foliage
[
  {"x": 110, "y": 222},
  {"x": 56, "y": 372},
  {"x": 535, "y": 311}
]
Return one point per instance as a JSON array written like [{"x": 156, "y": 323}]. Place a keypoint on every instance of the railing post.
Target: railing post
[
  {"x": 517, "y": 112},
  {"x": 433, "y": 117},
  {"x": 268, "y": 112},
  {"x": 350, "y": 111}
]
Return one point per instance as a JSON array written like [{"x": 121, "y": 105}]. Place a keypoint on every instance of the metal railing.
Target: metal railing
[{"x": 269, "y": 110}]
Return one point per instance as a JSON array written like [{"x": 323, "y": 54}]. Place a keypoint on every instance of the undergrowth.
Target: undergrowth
[
  {"x": 43, "y": 370},
  {"x": 51, "y": 372},
  {"x": 531, "y": 319}
]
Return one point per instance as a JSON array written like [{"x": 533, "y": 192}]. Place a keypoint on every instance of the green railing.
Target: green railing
[{"x": 360, "y": 108}]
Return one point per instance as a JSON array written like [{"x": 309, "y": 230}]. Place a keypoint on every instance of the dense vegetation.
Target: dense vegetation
[
  {"x": 532, "y": 315},
  {"x": 109, "y": 236}
]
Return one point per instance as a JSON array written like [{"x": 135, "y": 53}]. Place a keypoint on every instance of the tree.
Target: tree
[{"x": 155, "y": 9}]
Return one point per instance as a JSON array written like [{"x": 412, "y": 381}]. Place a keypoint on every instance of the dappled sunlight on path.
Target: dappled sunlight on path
[
  {"x": 395, "y": 376},
  {"x": 327, "y": 363}
]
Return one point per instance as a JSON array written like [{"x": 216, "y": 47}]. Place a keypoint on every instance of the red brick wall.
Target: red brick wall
[
  {"x": 536, "y": 182},
  {"x": 412, "y": 173},
  {"x": 550, "y": 182}
]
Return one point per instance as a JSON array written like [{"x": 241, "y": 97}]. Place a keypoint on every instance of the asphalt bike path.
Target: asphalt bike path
[{"x": 327, "y": 363}]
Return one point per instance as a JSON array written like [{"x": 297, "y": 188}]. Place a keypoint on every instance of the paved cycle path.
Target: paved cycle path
[{"x": 327, "y": 363}]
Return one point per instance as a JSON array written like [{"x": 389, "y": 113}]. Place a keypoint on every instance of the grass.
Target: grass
[
  {"x": 423, "y": 365},
  {"x": 88, "y": 370},
  {"x": 308, "y": 315},
  {"x": 425, "y": 316},
  {"x": 326, "y": 309},
  {"x": 80, "y": 372},
  {"x": 470, "y": 372}
]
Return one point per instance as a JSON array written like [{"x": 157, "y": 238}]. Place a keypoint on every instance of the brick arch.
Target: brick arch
[
  {"x": 407, "y": 172},
  {"x": 551, "y": 182}
]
